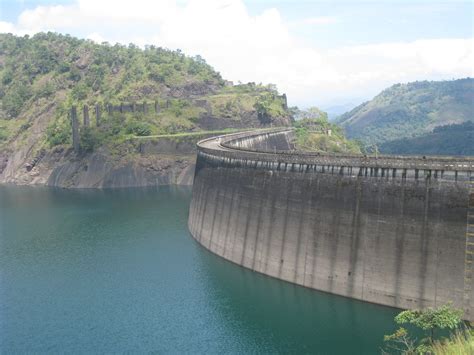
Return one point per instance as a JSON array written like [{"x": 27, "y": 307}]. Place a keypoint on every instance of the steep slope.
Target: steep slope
[
  {"x": 456, "y": 139},
  {"x": 315, "y": 133},
  {"x": 42, "y": 77},
  {"x": 410, "y": 110}
]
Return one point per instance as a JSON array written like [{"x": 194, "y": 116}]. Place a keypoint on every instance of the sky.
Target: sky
[{"x": 320, "y": 53}]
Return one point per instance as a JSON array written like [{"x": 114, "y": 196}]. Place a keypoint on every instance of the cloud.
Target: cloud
[
  {"x": 6, "y": 27},
  {"x": 319, "y": 20},
  {"x": 259, "y": 48}
]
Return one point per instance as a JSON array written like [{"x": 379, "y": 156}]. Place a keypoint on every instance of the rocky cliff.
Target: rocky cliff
[{"x": 157, "y": 162}]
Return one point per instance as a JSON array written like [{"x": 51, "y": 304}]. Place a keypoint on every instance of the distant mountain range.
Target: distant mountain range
[{"x": 403, "y": 118}]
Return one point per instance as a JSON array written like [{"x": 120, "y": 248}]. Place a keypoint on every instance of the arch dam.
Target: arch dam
[{"x": 392, "y": 230}]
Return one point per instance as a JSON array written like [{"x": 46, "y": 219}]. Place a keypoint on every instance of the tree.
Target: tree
[
  {"x": 428, "y": 320},
  {"x": 15, "y": 98},
  {"x": 432, "y": 319}
]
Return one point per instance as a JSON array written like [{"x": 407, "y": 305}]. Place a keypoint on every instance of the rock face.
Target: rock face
[
  {"x": 153, "y": 162},
  {"x": 96, "y": 172}
]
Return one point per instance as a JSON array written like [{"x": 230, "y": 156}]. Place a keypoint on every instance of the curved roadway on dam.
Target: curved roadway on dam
[{"x": 392, "y": 230}]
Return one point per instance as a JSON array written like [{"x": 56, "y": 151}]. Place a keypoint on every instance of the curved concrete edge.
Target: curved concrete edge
[{"x": 394, "y": 235}]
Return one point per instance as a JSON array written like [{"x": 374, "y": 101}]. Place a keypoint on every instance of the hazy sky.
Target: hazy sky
[{"x": 318, "y": 52}]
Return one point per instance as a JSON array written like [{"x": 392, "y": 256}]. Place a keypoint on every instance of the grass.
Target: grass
[
  {"x": 320, "y": 142},
  {"x": 10, "y": 128},
  {"x": 460, "y": 343},
  {"x": 231, "y": 105}
]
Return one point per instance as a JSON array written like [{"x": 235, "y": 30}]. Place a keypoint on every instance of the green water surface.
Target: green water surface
[{"x": 91, "y": 271}]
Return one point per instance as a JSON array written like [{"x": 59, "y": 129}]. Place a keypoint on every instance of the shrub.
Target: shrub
[
  {"x": 58, "y": 133},
  {"x": 45, "y": 90},
  {"x": 89, "y": 139},
  {"x": 15, "y": 98},
  {"x": 79, "y": 92},
  {"x": 427, "y": 320},
  {"x": 3, "y": 136},
  {"x": 138, "y": 128},
  {"x": 7, "y": 76}
]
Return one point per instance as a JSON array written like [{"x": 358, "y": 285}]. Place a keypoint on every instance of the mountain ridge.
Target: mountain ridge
[{"x": 406, "y": 111}]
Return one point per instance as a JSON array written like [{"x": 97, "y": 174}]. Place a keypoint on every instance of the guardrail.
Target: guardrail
[{"x": 223, "y": 145}]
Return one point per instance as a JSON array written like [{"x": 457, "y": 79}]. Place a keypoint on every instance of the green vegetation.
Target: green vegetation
[
  {"x": 455, "y": 139},
  {"x": 36, "y": 67},
  {"x": 460, "y": 343},
  {"x": 430, "y": 321},
  {"x": 406, "y": 111},
  {"x": 315, "y": 133},
  {"x": 48, "y": 73}
]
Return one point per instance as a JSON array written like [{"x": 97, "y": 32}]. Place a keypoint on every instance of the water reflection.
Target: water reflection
[
  {"x": 116, "y": 270},
  {"x": 289, "y": 318}
]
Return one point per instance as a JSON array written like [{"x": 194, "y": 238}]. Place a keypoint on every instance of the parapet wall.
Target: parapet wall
[{"x": 397, "y": 231}]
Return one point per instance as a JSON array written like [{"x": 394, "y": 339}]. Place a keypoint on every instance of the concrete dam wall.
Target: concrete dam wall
[{"x": 397, "y": 231}]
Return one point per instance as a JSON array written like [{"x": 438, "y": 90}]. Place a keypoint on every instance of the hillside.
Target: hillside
[
  {"x": 314, "y": 133},
  {"x": 406, "y": 111},
  {"x": 455, "y": 139},
  {"x": 43, "y": 76}
]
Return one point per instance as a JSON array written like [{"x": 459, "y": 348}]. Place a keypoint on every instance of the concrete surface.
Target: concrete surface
[{"x": 397, "y": 231}]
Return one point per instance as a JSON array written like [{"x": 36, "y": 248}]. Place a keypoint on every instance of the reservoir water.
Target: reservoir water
[{"x": 117, "y": 271}]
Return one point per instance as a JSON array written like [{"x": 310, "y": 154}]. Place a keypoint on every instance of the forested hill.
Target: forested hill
[
  {"x": 455, "y": 139},
  {"x": 407, "y": 111},
  {"x": 42, "y": 76}
]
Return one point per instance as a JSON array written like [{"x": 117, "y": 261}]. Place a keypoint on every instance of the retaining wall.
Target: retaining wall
[{"x": 397, "y": 231}]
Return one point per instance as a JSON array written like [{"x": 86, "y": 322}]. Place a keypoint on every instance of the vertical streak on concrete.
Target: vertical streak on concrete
[
  {"x": 228, "y": 220},
  {"x": 365, "y": 254},
  {"x": 307, "y": 228},
  {"x": 316, "y": 234},
  {"x": 262, "y": 200},
  {"x": 223, "y": 211},
  {"x": 283, "y": 230},
  {"x": 203, "y": 206},
  {"x": 400, "y": 243},
  {"x": 355, "y": 236},
  {"x": 468, "y": 289},
  {"x": 436, "y": 239},
  {"x": 246, "y": 230},
  {"x": 299, "y": 234},
  {"x": 424, "y": 247},
  {"x": 213, "y": 214},
  {"x": 270, "y": 231},
  {"x": 234, "y": 226},
  {"x": 197, "y": 193},
  {"x": 334, "y": 234},
  {"x": 197, "y": 203}
]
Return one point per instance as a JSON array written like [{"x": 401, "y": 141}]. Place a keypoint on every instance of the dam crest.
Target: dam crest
[{"x": 392, "y": 230}]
